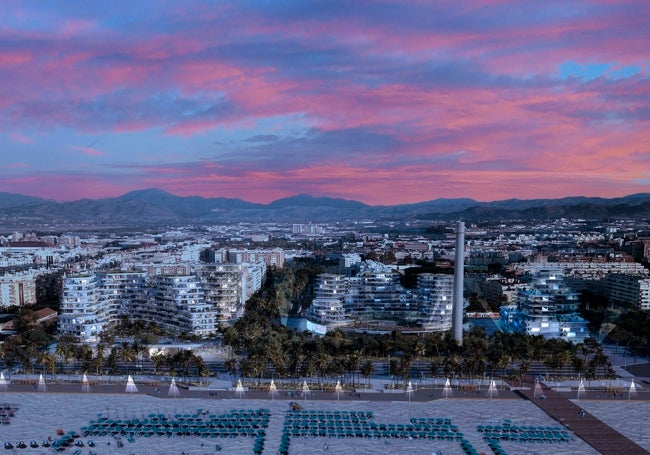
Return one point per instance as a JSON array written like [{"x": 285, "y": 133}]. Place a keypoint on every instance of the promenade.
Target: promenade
[{"x": 592, "y": 430}]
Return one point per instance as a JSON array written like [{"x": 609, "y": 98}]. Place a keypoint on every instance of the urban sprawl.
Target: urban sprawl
[{"x": 518, "y": 277}]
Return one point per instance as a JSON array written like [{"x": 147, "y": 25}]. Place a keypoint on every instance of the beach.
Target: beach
[{"x": 39, "y": 415}]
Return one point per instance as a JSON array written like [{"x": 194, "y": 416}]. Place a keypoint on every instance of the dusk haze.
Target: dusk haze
[{"x": 386, "y": 102}]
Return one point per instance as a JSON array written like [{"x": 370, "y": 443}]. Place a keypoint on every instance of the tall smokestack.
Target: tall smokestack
[{"x": 459, "y": 266}]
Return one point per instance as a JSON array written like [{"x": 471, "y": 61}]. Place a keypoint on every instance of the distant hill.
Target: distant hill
[
  {"x": 305, "y": 200},
  {"x": 154, "y": 206},
  {"x": 14, "y": 200}
]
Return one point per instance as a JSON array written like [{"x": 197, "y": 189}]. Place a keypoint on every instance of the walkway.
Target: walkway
[{"x": 593, "y": 431}]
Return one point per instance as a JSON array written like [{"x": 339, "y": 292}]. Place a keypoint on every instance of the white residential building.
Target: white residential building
[
  {"x": 328, "y": 307},
  {"x": 83, "y": 313},
  {"x": 379, "y": 291},
  {"x": 179, "y": 302},
  {"x": 435, "y": 295},
  {"x": 17, "y": 290},
  {"x": 548, "y": 308},
  {"x": 223, "y": 288},
  {"x": 629, "y": 290},
  {"x": 271, "y": 257}
]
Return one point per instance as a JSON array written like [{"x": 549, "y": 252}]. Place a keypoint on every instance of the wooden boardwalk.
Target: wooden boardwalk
[{"x": 593, "y": 431}]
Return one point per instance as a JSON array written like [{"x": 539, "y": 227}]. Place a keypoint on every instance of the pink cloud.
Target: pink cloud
[
  {"x": 20, "y": 138},
  {"x": 88, "y": 151},
  {"x": 470, "y": 101},
  {"x": 10, "y": 59},
  {"x": 74, "y": 27}
]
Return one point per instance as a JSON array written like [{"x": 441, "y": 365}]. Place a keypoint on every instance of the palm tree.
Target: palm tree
[
  {"x": 352, "y": 364},
  {"x": 552, "y": 361},
  {"x": 434, "y": 366},
  {"x": 232, "y": 366},
  {"x": 158, "y": 360},
  {"x": 112, "y": 360},
  {"x": 199, "y": 366},
  {"x": 99, "y": 358},
  {"x": 393, "y": 369},
  {"x": 564, "y": 358},
  {"x": 85, "y": 354},
  {"x": 452, "y": 365},
  {"x": 405, "y": 367},
  {"x": 323, "y": 363},
  {"x": 503, "y": 361},
  {"x": 367, "y": 369},
  {"x": 578, "y": 364},
  {"x": 524, "y": 368},
  {"x": 48, "y": 362},
  {"x": 126, "y": 353},
  {"x": 139, "y": 348},
  {"x": 65, "y": 348}
]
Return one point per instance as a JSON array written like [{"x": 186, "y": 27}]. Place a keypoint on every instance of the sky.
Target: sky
[{"x": 384, "y": 102}]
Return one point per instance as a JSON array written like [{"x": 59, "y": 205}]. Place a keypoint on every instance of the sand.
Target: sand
[{"x": 39, "y": 415}]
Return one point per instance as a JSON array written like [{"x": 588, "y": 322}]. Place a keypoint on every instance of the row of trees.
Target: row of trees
[
  {"x": 29, "y": 351},
  {"x": 114, "y": 360},
  {"x": 280, "y": 352}
]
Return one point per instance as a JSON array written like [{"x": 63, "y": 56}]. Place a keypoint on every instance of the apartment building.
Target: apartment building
[
  {"x": 377, "y": 295},
  {"x": 548, "y": 307},
  {"x": 328, "y": 306},
  {"x": 178, "y": 304},
  {"x": 378, "y": 291},
  {"x": 435, "y": 301},
  {"x": 223, "y": 290},
  {"x": 192, "y": 303},
  {"x": 628, "y": 290},
  {"x": 91, "y": 302},
  {"x": 271, "y": 257},
  {"x": 17, "y": 290}
]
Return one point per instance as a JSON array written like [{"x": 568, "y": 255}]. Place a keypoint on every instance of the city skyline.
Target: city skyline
[{"x": 381, "y": 102}]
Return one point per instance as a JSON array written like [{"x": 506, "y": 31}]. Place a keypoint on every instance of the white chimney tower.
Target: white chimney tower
[{"x": 459, "y": 271}]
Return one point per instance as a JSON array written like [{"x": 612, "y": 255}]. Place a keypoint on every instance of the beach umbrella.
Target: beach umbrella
[
  {"x": 447, "y": 389},
  {"x": 239, "y": 388},
  {"x": 338, "y": 389},
  {"x": 409, "y": 390},
  {"x": 581, "y": 388},
  {"x": 273, "y": 389},
  {"x": 41, "y": 384},
  {"x": 173, "y": 389},
  {"x": 492, "y": 390},
  {"x": 85, "y": 385},
  {"x": 632, "y": 390},
  {"x": 130, "y": 385}
]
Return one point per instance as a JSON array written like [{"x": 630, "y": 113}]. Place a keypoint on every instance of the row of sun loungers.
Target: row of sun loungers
[
  {"x": 509, "y": 431},
  {"x": 233, "y": 424},
  {"x": 360, "y": 424}
]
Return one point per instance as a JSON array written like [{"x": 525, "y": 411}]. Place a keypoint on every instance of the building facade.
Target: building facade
[
  {"x": 223, "y": 290},
  {"x": 547, "y": 308},
  {"x": 17, "y": 290},
  {"x": 628, "y": 290},
  {"x": 328, "y": 306},
  {"x": 187, "y": 303},
  {"x": 435, "y": 296}
]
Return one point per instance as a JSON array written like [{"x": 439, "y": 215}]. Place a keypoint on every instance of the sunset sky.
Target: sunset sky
[{"x": 383, "y": 102}]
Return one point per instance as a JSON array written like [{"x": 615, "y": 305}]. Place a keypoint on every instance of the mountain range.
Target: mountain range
[{"x": 154, "y": 206}]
